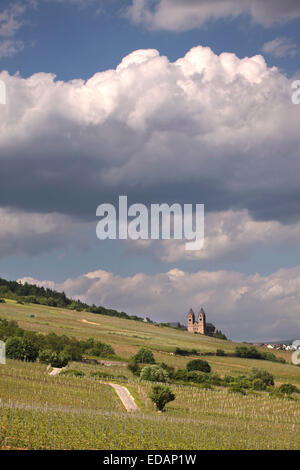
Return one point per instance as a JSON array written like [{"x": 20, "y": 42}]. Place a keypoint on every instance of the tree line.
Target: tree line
[
  {"x": 53, "y": 349},
  {"x": 31, "y": 293}
]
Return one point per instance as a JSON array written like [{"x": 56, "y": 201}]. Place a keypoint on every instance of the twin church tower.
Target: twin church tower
[{"x": 200, "y": 326}]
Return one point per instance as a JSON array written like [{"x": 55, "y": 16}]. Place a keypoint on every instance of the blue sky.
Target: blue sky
[
  {"x": 75, "y": 41},
  {"x": 217, "y": 129}
]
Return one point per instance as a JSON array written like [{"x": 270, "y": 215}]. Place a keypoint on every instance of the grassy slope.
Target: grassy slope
[
  {"x": 126, "y": 336},
  {"x": 62, "y": 412}
]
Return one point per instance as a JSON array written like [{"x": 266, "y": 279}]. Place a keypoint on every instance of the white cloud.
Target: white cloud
[
  {"x": 30, "y": 234},
  {"x": 280, "y": 47},
  {"x": 181, "y": 15},
  {"x": 228, "y": 235},
  {"x": 209, "y": 129},
  {"x": 31, "y": 280},
  {"x": 10, "y": 47},
  {"x": 11, "y": 19},
  {"x": 245, "y": 307}
]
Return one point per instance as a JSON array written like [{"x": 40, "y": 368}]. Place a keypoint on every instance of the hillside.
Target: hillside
[
  {"x": 31, "y": 293},
  {"x": 80, "y": 408},
  {"x": 127, "y": 336}
]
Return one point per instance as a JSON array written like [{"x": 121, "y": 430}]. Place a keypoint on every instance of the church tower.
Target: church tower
[
  {"x": 191, "y": 321},
  {"x": 202, "y": 322}
]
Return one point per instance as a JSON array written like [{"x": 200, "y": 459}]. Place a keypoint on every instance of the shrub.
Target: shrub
[
  {"x": 181, "y": 374},
  {"x": 196, "y": 376},
  {"x": 134, "y": 367},
  {"x": 2, "y": 301},
  {"x": 228, "y": 379},
  {"x": 253, "y": 353},
  {"x": 102, "y": 375},
  {"x": 269, "y": 356},
  {"x": 215, "y": 379},
  {"x": 249, "y": 353},
  {"x": 237, "y": 388},
  {"x": 281, "y": 360},
  {"x": 220, "y": 352},
  {"x": 102, "y": 349},
  {"x": 243, "y": 381},
  {"x": 169, "y": 369},
  {"x": 59, "y": 360},
  {"x": 262, "y": 374},
  {"x": 259, "y": 385},
  {"x": 288, "y": 389},
  {"x": 145, "y": 356},
  {"x": 154, "y": 373},
  {"x": 73, "y": 372},
  {"x": 198, "y": 364},
  {"x": 185, "y": 352},
  {"x": 161, "y": 395}
]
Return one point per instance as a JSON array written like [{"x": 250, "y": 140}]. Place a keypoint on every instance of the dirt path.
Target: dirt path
[
  {"x": 89, "y": 322},
  {"x": 125, "y": 397},
  {"x": 55, "y": 371}
]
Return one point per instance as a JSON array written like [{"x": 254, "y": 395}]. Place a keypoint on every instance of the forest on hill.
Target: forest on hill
[{"x": 31, "y": 293}]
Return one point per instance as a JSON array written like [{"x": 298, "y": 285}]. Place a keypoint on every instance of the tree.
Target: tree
[
  {"x": 31, "y": 351},
  {"x": 14, "y": 348},
  {"x": 73, "y": 351},
  {"x": 161, "y": 395},
  {"x": 198, "y": 364},
  {"x": 170, "y": 370},
  {"x": 145, "y": 356},
  {"x": 154, "y": 373},
  {"x": 59, "y": 360},
  {"x": 21, "y": 349},
  {"x": 218, "y": 334},
  {"x": 45, "y": 356}
]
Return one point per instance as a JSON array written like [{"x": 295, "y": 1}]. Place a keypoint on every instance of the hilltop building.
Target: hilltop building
[
  {"x": 200, "y": 326},
  {"x": 147, "y": 320}
]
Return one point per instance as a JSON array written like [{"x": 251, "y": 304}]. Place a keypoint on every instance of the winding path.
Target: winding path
[
  {"x": 125, "y": 397},
  {"x": 123, "y": 393}
]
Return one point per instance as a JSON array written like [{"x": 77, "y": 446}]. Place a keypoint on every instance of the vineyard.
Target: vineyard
[
  {"x": 78, "y": 409},
  {"x": 69, "y": 412}
]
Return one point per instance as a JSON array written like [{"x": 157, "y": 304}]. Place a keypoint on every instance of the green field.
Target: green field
[{"x": 39, "y": 411}]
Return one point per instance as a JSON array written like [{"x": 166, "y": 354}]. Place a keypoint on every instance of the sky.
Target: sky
[{"x": 165, "y": 101}]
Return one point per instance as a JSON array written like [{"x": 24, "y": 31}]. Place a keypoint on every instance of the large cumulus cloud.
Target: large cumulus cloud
[
  {"x": 245, "y": 307},
  {"x": 206, "y": 129}
]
